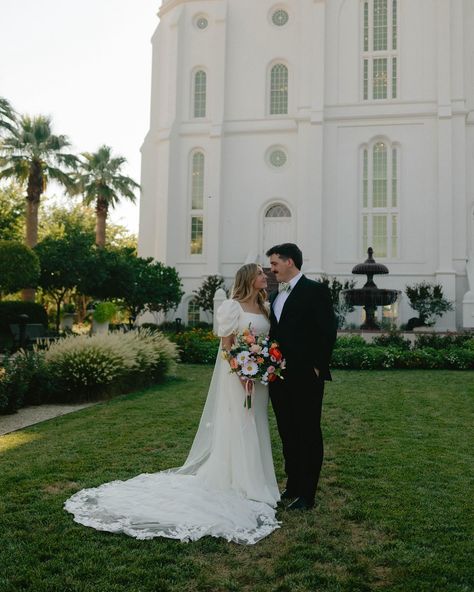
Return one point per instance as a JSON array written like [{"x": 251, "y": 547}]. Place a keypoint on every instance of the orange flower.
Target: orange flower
[
  {"x": 234, "y": 364},
  {"x": 275, "y": 353}
]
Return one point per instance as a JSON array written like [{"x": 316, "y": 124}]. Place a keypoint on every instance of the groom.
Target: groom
[{"x": 304, "y": 325}]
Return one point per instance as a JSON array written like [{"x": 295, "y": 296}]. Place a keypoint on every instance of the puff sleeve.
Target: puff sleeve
[{"x": 228, "y": 318}]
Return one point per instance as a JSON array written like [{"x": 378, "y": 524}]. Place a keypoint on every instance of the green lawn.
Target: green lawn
[{"x": 394, "y": 508}]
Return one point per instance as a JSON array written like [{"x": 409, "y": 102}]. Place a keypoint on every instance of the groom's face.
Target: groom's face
[{"x": 282, "y": 268}]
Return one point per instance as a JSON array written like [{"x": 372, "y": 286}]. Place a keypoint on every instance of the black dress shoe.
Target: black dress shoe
[
  {"x": 286, "y": 495},
  {"x": 300, "y": 503}
]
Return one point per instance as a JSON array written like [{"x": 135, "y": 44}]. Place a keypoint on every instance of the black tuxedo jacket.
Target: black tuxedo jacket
[{"x": 307, "y": 328}]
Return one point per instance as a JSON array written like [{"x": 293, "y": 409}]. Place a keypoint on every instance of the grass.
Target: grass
[{"x": 394, "y": 507}]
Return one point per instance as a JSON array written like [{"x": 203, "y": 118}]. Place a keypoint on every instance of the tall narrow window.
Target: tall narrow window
[
  {"x": 379, "y": 49},
  {"x": 279, "y": 90},
  {"x": 380, "y": 201},
  {"x": 200, "y": 90},
  {"x": 194, "y": 313},
  {"x": 197, "y": 204}
]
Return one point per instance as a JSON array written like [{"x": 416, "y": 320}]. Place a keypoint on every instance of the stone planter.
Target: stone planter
[
  {"x": 99, "y": 328},
  {"x": 67, "y": 321}
]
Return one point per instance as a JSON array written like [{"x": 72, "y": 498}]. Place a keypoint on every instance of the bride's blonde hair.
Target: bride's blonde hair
[{"x": 243, "y": 286}]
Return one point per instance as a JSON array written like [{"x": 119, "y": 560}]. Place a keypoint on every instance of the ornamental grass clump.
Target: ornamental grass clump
[
  {"x": 153, "y": 354},
  {"x": 87, "y": 367}
]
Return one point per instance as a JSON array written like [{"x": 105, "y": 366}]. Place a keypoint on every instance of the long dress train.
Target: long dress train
[{"x": 227, "y": 486}]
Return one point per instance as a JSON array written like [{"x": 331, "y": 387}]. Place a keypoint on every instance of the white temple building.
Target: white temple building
[{"x": 335, "y": 124}]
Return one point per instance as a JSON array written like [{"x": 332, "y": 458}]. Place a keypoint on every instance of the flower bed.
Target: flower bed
[
  {"x": 79, "y": 368},
  {"x": 196, "y": 346}
]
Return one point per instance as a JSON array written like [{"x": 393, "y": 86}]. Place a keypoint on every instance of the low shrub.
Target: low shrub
[
  {"x": 196, "y": 346},
  {"x": 442, "y": 341},
  {"x": 350, "y": 341},
  {"x": 392, "y": 339},
  {"x": 24, "y": 380}
]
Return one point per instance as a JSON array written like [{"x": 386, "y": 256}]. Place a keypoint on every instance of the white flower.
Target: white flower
[
  {"x": 242, "y": 357},
  {"x": 250, "y": 368}
]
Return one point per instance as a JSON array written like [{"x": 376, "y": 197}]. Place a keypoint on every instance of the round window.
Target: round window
[
  {"x": 278, "y": 158},
  {"x": 202, "y": 22},
  {"x": 280, "y": 17}
]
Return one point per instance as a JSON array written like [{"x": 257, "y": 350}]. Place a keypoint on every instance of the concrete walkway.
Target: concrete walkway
[{"x": 28, "y": 416}]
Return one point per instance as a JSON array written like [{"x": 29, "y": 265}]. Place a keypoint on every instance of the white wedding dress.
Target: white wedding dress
[{"x": 227, "y": 486}]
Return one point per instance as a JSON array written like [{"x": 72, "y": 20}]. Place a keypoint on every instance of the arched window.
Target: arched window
[
  {"x": 197, "y": 204},
  {"x": 279, "y": 90},
  {"x": 380, "y": 49},
  {"x": 380, "y": 201},
  {"x": 278, "y": 211},
  {"x": 200, "y": 90}
]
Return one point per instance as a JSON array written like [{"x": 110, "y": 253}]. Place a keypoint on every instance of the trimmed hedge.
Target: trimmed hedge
[
  {"x": 11, "y": 310},
  {"x": 374, "y": 357}
]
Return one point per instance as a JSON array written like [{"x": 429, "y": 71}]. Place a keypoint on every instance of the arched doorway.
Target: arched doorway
[{"x": 277, "y": 227}]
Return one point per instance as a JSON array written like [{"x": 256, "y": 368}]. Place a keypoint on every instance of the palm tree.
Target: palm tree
[
  {"x": 7, "y": 116},
  {"x": 33, "y": 155},
  {"x": 100, "y": 182}
]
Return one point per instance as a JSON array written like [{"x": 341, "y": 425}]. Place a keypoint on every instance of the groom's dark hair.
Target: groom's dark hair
[{"x": 288, "y": 251}]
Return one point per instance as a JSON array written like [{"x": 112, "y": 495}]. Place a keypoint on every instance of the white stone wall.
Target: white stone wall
[{"x": 431, "y": 121}]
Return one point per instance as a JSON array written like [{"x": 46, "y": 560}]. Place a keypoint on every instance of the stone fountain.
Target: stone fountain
[{"x": 369, "y": 296}]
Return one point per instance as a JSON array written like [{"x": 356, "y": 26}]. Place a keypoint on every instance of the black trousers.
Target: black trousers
[{"x": 297, "y": 403}]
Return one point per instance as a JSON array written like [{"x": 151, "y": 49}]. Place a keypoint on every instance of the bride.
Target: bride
[{"x": 227, "y": 486}]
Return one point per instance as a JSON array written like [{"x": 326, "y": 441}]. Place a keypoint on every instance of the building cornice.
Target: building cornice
[{"x": 168, "y": 5}]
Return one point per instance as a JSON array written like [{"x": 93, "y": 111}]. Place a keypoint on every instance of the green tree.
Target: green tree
[
  {"x": 7, "y": 116},
  {"x": 19, "y": 265},
  {"x": 341, "y": 307},
  {"x": 429, "y": 302},
  {"x": 58, "y": 219},
  {"x": 140, "y": 284},
  {"x": 204, "y": 296},
  {"x": 31, "y": 154},
  {"x": 65, "y": 262},
  {"x": 102, "y": 184},
  {"x": 12, "y": 208}
]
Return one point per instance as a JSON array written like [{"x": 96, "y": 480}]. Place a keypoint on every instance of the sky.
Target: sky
[{"x": 87, "y": 64}]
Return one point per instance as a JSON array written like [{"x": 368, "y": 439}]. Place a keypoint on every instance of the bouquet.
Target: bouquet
[{"x": 255, "y": 357}]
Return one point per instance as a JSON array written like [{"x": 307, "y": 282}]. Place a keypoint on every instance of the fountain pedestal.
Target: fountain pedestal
[{"x": 369, "y": 296}]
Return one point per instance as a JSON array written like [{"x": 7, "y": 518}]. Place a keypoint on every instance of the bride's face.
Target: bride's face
[{"x": 260, "y": 282}]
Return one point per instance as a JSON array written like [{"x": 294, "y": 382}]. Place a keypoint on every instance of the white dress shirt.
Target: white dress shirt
[{"x": 280, "y": 300}]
